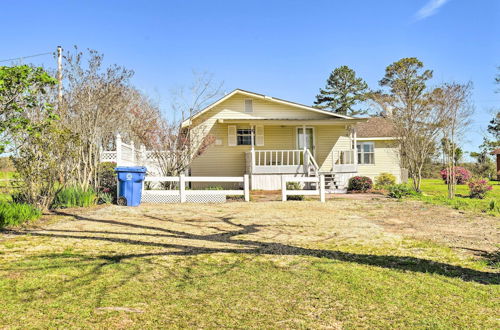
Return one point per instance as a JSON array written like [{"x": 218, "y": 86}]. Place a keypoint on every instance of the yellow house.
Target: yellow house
[{"x": 267, "y": 137}]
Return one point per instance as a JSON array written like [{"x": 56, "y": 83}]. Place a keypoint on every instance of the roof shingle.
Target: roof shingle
[{"x": 375, "y": 127}]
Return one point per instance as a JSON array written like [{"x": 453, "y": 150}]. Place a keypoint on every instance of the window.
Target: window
[
  {"x": 244, "y": 136},
  {"x": 366, "y": 153},
  {"x": 249, "y": 105}
]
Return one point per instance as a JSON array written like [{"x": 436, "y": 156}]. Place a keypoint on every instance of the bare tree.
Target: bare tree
[
  {"x": 176, "y": 145},
  {"x": 453, "y": 101},
  {"x": 94, "y": 107}
]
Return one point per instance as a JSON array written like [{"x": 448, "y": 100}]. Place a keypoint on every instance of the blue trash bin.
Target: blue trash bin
[{"x": 130, "y": 180}]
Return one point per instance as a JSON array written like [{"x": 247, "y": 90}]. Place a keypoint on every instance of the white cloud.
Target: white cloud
[{"x": 430, "y": 9}]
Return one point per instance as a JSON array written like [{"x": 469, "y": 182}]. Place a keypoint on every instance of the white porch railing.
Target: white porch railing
[
  {"x": 344, "y": 161},
  {"x": 281, "y": 161}
]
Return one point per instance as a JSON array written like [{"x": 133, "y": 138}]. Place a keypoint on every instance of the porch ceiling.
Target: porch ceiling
[{"x": 293, "y": 122}]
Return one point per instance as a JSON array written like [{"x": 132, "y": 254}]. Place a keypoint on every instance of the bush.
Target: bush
[
  {"x": 12, "y": 214},
  {"x": 294, "y": 186},
  {"x": 106, "y": 177},
  {"x": 360, "y": 183},
  {"x": 74, "y": 197},
  {"x": 105, "y": 198},
  {"x": 400, "y": 190},
  {"x": 462, "y": 175},
  {"x": 384, "y": 180},
  {"x": 479, "y": 188}
]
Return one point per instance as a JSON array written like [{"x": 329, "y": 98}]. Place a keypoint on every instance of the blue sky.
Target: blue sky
[{"x": 284, "y": 49}]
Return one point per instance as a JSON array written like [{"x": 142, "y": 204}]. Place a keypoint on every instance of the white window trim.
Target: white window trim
[
  {"x": 361, "y": 152},
  {"x": 252, "y": 136},
  {"x": 313, "y": 135}
]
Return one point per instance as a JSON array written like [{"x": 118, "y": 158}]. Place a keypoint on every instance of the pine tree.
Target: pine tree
[{"x": 343, "y": 90}]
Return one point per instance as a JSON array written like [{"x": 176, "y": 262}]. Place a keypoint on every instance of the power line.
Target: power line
[{"x": 23, "y": 57}]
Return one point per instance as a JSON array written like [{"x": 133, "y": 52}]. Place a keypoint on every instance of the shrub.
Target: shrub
[
  {"x": 400, "y": 190},
  {"x": 105, "y": 198},
  {"x": 74, "y": 197},
  {"x": 294, "y": 186},
  {"x": 359, "y": 183},
  {"x": 462, "y": 175},
  {"x": 12, "y": 214},
  {"x": 106, "y": 177},
  {"x": 479, "y": 188},
  {"x": 384, "y": 180}
]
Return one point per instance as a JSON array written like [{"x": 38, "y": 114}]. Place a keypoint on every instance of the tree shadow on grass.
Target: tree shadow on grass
[{"x": 251, "y": 247}]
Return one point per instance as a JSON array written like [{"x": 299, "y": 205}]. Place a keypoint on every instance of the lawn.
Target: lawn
[
  {"x": 436, "y": 192},
  {"x": 6, "y": 185},
  {"x": 371, "y": 263}
]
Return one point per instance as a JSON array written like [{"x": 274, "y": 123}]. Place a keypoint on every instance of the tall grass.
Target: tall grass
[
  {"x": 74, "y": 197},
  {"x": 12, "y": 214}
]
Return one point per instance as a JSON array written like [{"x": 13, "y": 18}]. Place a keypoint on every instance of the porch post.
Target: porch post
[
  {"x": 252, "y": 148},
  {"x": 355, "y": 142},
  {"x": 304, "y": 140}
]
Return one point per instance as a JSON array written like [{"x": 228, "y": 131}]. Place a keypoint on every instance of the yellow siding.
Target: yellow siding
[
  {"x": 386, "y": 160},
  {"x": 329, "y": 139}
]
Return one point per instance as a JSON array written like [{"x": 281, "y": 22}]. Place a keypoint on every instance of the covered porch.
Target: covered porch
[{"x": 300, "y": 147}]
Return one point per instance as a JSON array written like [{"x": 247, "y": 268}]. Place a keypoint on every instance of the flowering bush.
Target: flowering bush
[
  {"x": 107, "y": 178},
  {"x": 385, "y": 180},
  {"x": 360, "y": 183},
  {"x": 462, "y": 175},
  {"x": 479, "y": 188}
]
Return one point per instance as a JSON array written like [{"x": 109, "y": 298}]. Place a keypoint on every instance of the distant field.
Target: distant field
[
  {"x": 435, "y": 192},
  {"x": 6, "y": 185}
]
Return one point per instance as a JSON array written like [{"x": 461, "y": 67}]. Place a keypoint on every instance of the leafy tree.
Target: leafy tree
[
  {"x": 20, "y": 90},
  {"x": 416, "y": 121},
  {"x": 343, "y": 90}
]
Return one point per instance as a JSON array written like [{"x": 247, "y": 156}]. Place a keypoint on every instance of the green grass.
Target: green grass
[
  {"x": 220, "y": 267},
  {"x": 13, "y": 214},
  {"x": 75, "y": 197},
  {"x": 6, "y": 186},
  {"x": 435, "y": 192}
]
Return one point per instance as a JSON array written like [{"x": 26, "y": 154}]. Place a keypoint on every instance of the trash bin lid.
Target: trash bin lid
[{"x": 133, "y": 169}]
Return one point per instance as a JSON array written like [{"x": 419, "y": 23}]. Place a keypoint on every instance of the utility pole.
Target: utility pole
[{"x": 59, "y": 76}]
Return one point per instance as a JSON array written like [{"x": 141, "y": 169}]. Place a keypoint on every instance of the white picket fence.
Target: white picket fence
[
  {"x": 183, "y": 195},
  {"x": 318, "y": 180}
]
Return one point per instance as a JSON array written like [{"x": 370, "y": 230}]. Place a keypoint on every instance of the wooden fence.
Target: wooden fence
[
  {"x": 319, "y": 189},
  {"x": 183, "y": 195}
]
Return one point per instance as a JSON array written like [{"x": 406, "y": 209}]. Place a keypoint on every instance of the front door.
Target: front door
[{"x": 309, "y": 139}]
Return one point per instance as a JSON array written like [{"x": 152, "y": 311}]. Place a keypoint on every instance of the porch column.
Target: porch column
[
  {"x": 252, "y": 148},
  {"x": 304, "y": 141},
  {"x": 355, "y": 142}
]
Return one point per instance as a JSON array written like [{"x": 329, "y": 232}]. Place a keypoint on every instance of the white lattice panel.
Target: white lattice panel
[
  {"x": 165, "y": 196},
  {"x": 108, "y": 156}
]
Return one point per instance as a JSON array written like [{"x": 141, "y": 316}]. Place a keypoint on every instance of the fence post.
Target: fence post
[
  {"x": 182, "y": 188},
  {"x": 322, "y": 188},
  {"x": 246, "y": 187},
  {"x": 283, "y": 188},
  {"x": 118, "y": 149},
  {"x": 142, "y": 149},
  {"x": 132, "y": 147}
]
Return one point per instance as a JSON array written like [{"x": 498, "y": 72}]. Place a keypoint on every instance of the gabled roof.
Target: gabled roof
[{"x": 266, "y": 98}]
